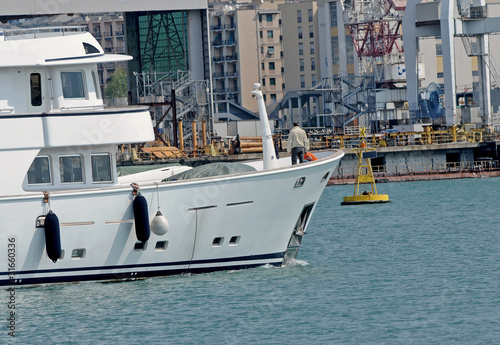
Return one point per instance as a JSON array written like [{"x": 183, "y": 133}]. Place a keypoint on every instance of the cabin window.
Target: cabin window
[
  {"x": 39, "y": 171},
  {"x": 71, "y": 169},
  {"x": 96, "y": 85},
  {"x": 72, "y": 84},
  {"x": 101, "y": 168},
  {"x": 36, "y": 89},
  {"x": 90, "y": 49}
]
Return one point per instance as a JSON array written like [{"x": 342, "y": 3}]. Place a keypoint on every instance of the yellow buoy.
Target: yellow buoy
[{"x": 364, "y": 176}]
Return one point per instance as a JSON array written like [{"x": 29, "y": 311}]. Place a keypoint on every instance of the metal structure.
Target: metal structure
[
  {"x": 375, "y": 27},
  {"x": 163, "y": 41},
  {"x": 347, "y": 98},
  {"x": 174, "y": 96},
  {"x": 437, "y": 19}
]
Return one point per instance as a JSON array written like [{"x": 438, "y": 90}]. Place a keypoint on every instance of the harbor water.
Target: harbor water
[{"x": 423, "y": 269}]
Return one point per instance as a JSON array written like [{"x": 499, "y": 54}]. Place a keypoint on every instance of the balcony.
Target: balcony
[
  {"x": 110, "y": 66},
  {"x": 217, "y": 43}
]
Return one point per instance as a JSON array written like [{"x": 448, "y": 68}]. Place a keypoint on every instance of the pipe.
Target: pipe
[
  {"x": 181, "y": 136},
  {"x": 195, "y": 138},
  {"x": 204, "y": 132}
]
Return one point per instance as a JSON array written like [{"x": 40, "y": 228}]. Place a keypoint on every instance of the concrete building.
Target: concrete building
[{"x": 246, "y": 49}]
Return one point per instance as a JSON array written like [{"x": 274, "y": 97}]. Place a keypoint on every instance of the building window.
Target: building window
[
  {"x": 72, "y": 84},
  {"x": 440, "y": 74},
  {"x": 301, "y": 64},
  {"x": 350, "y": 49},
  {"x": 71, "y": 169},
  {"x": 310, "y": 15},
  {"x": 313, "y": 64},
  {"x": 273, "y": 97},
  {"x": 36, "y": 89},
  {"x": 270, "y": 50},
  {"x": 311, "y": 31},
  {"x": 39, "y": 171},
  {"x": 271, "y": 66},
  {"x": 475, "y": 73},
  {"x": 313, "y": 77},
  {"x": 335, "y": 50},
  {"x": 263, "y": 66},
  {"x": 301, "y": 49},
  {"x": 270, "y": 34},
  {"x": 263, "y": 81},
  {"x": 302, "y": 81},
  {"x": 272, "y": 81},
  {"x": 333, "y": 14},
  {"x": 299, "y": 16},
  {"x": 300, "y": 32},
  {"x": 101, "y": 167},
  {"x": 439, "y": 49},
  {"x": 269, "y": 17},
  {"x": 261, "y": 34},
  {"x": 311, "y": 48}
]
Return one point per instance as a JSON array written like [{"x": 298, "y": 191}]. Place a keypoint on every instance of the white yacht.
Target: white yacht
[{"x": 66, "y": 216}]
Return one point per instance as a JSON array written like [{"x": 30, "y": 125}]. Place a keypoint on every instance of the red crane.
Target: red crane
[{"x": 375, "y": 26}]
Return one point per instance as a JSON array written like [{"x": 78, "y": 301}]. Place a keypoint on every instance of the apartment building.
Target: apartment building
[
  {"x": 246, "y": 48},
  {"x": 109, "y": 31}
]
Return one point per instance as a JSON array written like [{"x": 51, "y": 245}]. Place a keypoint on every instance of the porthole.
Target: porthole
[
  {"x": 78, "y": 253},
  {"x": 140, "y": 246},
  {"x": 161, "y": 245},
  {"x": 217, "y": 242},
  {"x": 234, "y": 240},
  {"x": 325, "y": 176},
  {"x": 300, "y": 182}
]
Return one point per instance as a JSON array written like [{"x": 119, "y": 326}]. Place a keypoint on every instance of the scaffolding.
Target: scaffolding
[{"x": 173, "y": 96}]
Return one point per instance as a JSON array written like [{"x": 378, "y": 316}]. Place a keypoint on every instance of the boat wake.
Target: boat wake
[{"x": 296, "y": 262}]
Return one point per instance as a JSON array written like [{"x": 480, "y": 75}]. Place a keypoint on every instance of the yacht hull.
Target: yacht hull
[{"x": 216, "y": 223}]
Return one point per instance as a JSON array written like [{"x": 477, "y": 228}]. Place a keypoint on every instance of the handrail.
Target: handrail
[
  {"x": 50, "y": 29},
  {"x": 82, "y": 107}
]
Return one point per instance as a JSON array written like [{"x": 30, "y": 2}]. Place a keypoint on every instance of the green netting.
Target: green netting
[{"x": 213, "y": 169}]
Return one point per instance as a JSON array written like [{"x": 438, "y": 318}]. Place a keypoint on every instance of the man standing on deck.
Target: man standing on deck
[{"x": 298, "y": 143}]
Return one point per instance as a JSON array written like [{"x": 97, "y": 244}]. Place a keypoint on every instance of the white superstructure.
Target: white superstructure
[{"x": 57, "y": 151}]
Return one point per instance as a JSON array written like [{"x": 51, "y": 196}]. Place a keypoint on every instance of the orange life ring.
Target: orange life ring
[{"x": 310, "y": 157}]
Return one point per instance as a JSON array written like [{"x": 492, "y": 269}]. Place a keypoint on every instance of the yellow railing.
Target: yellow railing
[
  {"x": 426, "y": 168},
  {"x": 428, "y": 137}
]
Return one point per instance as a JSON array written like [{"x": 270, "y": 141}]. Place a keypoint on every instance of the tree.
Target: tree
[{"x": 117, "y": 86}]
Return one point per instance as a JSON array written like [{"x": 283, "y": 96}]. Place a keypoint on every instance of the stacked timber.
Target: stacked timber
[
  {"x": 246, "y": 145},
  {"x": 251, "y": 144}
]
